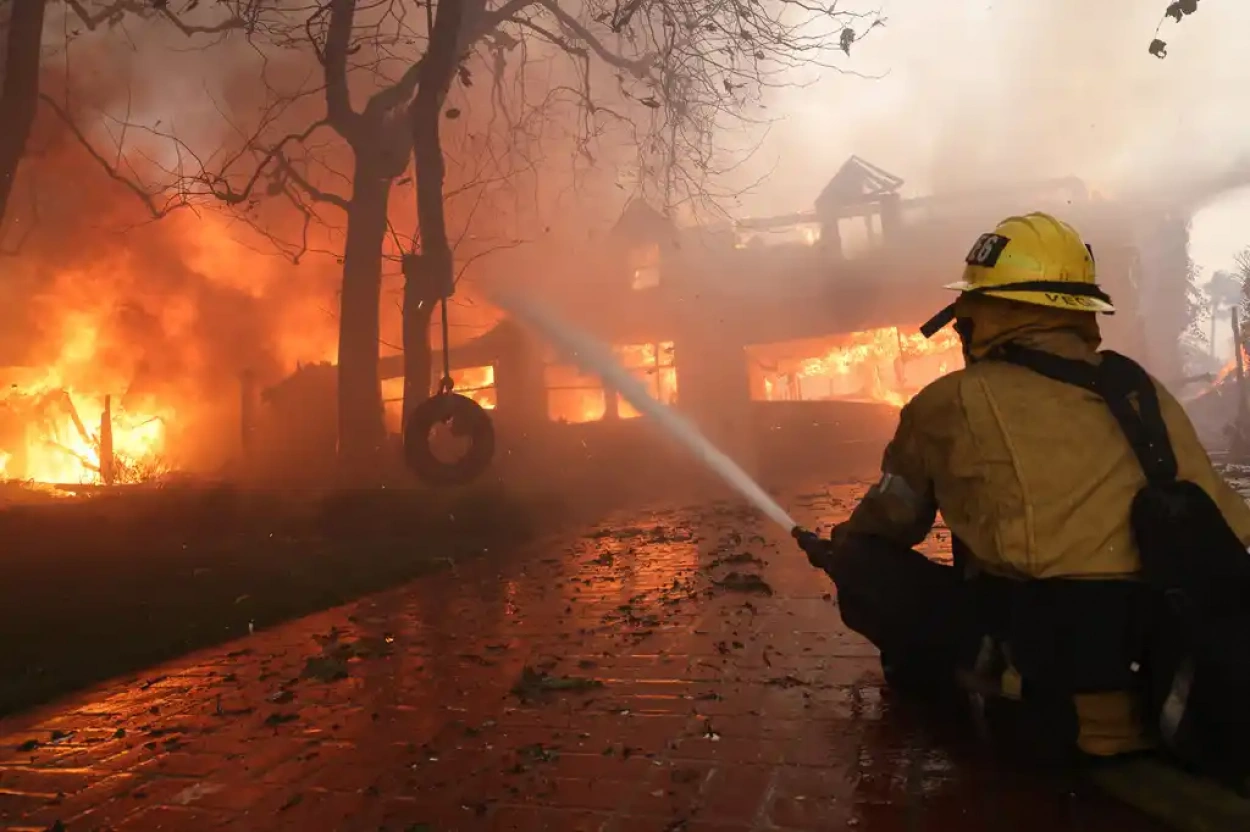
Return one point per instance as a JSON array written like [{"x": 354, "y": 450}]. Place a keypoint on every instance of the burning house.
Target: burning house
[{"x": 790, "y": 340}]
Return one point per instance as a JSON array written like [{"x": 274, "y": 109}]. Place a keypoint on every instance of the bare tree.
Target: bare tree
[
  {"x": 24, "y": 42},
  {"x": 21, "y": 36},
  {"x": 670, "y": 79}
]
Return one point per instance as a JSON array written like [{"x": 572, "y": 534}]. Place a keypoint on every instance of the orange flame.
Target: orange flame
[
  {"x": 161, "y": 325},
  {"x": 478, "y": 384},
  {"x": 577, "y": 398},
  {"x": 880, "y": 365},
  {"x": 53, "y": 428}
]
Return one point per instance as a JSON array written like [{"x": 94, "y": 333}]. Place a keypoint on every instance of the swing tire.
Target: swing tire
[{"x": 469, "y": 419}]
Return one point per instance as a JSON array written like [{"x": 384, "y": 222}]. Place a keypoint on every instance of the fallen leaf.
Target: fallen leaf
[
  {"x": 325, "y": 668},
  {"x": 280, "y": 719},
  {"x": 534, "y": 683},
  {"x": 748, "y": 582}
]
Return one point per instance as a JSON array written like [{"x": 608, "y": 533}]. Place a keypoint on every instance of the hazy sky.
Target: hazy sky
[
  {"x": 970, "y": 93},
  {"x": 981, "y": 91}
]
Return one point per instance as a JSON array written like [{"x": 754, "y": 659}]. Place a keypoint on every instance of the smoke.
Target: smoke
[
  {"x": 972, "y": 93},
  {"x": 162, "y": 315},
  {"x": 166, "y": 315}
]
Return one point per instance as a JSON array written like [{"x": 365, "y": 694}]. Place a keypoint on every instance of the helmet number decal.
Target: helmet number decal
[{"x": 986, "y": 250}]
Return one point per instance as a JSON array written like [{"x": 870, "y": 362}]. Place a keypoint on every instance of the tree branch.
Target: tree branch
[
  {"x": 637, "y": 67},
  {"x": 149, "y": 200},
  {"x": 475, "y": 23},
  {"x": 113, "y": 11},
  {"x": 307, "y": 187}
]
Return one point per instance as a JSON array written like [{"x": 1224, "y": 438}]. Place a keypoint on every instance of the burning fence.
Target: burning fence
[{"x": 48, "y": 435}]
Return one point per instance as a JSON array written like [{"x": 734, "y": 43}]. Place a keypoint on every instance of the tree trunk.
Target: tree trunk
[
  {"x": 361, "y": 429},
  {"x": 21, "y": 36},
  {"x": 436, "y": 271}
]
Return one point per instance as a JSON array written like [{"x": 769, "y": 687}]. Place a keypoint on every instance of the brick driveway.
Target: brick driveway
[{"x": 682, "y": 669}]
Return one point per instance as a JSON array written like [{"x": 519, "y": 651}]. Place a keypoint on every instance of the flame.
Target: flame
[
  {"x": 881, "y": 365},
  {"x": 1227, "y": 370},
  {"x": 53, "y": 419},
  {"x": 478, "y": 384},
  {"x": 576, "y": 398},
  {"x": 158, "y": 323},
  {"x": 58, "y": 438}
]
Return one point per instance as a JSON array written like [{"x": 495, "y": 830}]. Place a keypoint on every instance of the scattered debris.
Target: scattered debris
[
  {"x": 276, "y": 718},
  {"x": 738, "y": 559},
  {"x": 325, "y": 668},
  {"x": 538, "y": 753},
  {"x": 194, "y": 792},
  {"x": 473, "y": 658},
  {"x": 748, "y": 582},
  {"x": 533, "y": 683}
]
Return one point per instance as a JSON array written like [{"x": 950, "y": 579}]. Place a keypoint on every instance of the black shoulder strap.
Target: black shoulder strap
[{"x": 1128, "y": 391}]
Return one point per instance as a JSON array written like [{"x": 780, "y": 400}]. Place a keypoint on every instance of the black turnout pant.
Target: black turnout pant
[
  {"x": 922, "y": 616},
  {"x": 918, "y": 613}
]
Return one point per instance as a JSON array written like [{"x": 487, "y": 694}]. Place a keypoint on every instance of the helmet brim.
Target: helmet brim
[{"x": 1076, "y": 303}]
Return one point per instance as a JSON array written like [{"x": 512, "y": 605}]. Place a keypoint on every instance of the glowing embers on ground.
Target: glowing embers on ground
[
  {"x": 887, "y": 365},
  {"x": 51, "y": 434},
  {"x": 575, "y": 397}
]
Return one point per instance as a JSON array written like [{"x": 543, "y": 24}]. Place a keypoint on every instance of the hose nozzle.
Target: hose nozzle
[{"x": 816, "y": 548}]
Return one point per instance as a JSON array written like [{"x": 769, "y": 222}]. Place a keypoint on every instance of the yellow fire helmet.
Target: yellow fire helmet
[{"x": 1033, "y": 259}]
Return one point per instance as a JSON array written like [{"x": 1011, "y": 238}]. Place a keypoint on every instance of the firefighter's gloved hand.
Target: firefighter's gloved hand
[{"x": 819, "y": 550}]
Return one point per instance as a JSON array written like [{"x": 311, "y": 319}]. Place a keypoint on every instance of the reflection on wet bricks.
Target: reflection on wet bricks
[{"x": 681, "y": 669}]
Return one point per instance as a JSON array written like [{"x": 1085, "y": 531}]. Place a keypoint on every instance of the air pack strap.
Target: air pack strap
[
  {"x": 1085, "y": 635},
  {"x": 1128, "y": 392}
]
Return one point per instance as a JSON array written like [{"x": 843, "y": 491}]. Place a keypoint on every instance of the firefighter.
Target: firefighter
[{"x": 1034, "y": 479}]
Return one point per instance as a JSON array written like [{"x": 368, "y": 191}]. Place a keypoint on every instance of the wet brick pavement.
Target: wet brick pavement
[{"x": 674, "y": 670}]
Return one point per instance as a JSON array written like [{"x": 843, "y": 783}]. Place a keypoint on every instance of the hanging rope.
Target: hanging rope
[
  {"x": 446, "y": 384},
  {"x": 465, "y": 418}
]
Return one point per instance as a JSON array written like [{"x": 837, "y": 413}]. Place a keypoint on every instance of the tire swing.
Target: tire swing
[{"x": 461, "y": 418}]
